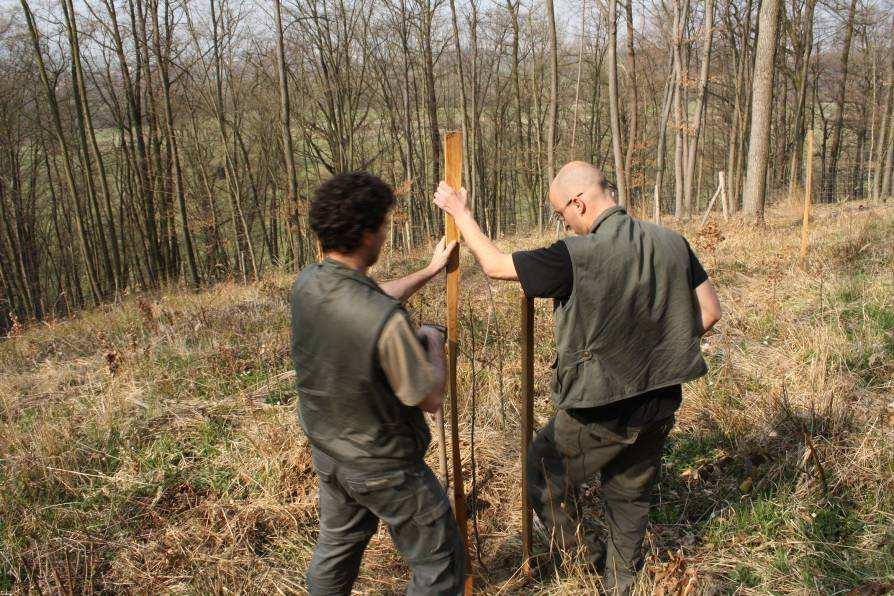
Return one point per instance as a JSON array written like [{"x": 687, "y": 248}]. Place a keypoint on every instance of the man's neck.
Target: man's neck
[
  {"x": 350, "y": 260},
  {"x": 597, "y": 211}
]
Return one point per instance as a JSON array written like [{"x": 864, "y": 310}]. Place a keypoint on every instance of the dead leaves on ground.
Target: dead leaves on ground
[{"x": 674, "y": 577}]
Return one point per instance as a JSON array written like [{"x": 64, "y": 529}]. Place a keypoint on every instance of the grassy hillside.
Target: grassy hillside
[{"x": 152, "y": 446}]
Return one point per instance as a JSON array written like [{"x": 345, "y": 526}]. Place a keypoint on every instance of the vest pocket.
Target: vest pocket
[{"x": 567, "y": 376}]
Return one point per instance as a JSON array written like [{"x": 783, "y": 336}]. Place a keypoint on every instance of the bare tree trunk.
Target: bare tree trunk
[
  {"x": 241, "y": 228},
  {"x": 632, "y": 108},
  {"x": 84, "y": 122},
  {"x": 285, "y": 117},
  {"x": 553, "y": 91},
  {"x": 700, "y": 104},
  {"x": 799, "y": 124},
  {"x": 90, "y": 133},
  {"x": 523, "y": 150},
  {"x": 473, "y": 143},
  {"x": 430, "y": 97},
  {"x": 158, "y": 209},
  {"x": 580, "y": 64},
  {"x": 887, "y": 187},
  {"x": 761, "y": 110},
  {"x": 135, "y": 151},
  {"x": 886, "y": 128},
  {"x": 740, "y": 105},
  {"x": 662, "y": 140},
  {"x": 831, "y": 178},
  {"x": 66, "y": 157},
  {"x": 163, "y": 59},
  {"x": 681, "y": 13},
  {"x": 460, "y": 71},
  {"x": 614, "y": 115},
  {"x": 538, "y": 134}
]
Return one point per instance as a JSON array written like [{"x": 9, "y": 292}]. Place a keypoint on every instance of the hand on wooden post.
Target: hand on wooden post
[
  {"x": 451, "y": 201},
  {"x": 441, "y": 255}
]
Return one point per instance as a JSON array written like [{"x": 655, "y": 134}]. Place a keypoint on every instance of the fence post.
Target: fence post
[
  {"x": 526, "y": 411},
  {"x": 808, "y": 187}
]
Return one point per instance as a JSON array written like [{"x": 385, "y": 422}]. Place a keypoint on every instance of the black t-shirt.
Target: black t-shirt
[{"x": 548, "y": 273}]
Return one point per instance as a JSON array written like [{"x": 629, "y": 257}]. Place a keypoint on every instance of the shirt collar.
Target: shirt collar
[
  {"x": 341, "y": 269},
  {"x": 605, "y": 215}
]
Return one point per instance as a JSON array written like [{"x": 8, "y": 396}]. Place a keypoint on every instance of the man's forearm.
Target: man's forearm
[
  {"x": 708, "y": 304},
  {"x": 494, "y": 262},
  {"x": 708, "y": 319},
  {"x": 401, "y": 289}
]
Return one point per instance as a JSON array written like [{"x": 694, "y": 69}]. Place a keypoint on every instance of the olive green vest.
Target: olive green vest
[
  {"x": 346, "y": 406},
  {"x": 631, "y": 323}
]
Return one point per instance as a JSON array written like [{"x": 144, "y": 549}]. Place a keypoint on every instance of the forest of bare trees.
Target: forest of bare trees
[{"x": 148, "y": 142}]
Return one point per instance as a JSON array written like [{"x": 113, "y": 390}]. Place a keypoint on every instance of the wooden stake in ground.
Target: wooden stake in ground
[
  {"x": 711, "y": 203},
  {"x": 724, "y": 201},
  {"x": 808, "y": 183},
  {"x": 526, "y": 411},
  {"x": 442, "y": 448},
  {"x": 453, "y": 167}
]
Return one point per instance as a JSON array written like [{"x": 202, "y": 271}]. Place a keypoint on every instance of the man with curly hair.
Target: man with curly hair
[{"x": 364, "y": 376}]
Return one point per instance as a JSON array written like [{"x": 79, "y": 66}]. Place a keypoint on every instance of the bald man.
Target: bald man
[{"x": 631, "y": 302}]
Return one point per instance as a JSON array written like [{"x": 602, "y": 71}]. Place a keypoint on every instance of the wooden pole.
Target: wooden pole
[
  {"x": 808, "y": 184},
  {"x": 442, "y": 448},
  {"x": 453, "y": 167},
  {"x": 710, "y": 206},
  {"x": 526, "y": 411},
  {"x": 724, "y": 200}
]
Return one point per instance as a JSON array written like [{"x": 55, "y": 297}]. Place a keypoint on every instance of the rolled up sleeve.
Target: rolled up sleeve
[{"x": 405, "y": 361}]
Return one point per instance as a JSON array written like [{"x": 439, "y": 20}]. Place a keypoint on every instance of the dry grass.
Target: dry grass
[{"x": 152, "y": 446}]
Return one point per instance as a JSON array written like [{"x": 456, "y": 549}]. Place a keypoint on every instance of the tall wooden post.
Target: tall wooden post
[
  {"x": 442, "y": 449},
  {"x": 526, "y": 411},
  {"x": 723, "y": 198},
  {"x": 808, "y": 186},
  {"x": 453, "y": 167}
]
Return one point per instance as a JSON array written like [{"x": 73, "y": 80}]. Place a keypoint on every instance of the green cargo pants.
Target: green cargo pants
[
  {"x": 410, "y": 501},
  {"x": 565, "y": 454}
]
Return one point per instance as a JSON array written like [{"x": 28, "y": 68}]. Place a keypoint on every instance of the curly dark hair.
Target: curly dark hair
[{"x": 346, "y": 206}]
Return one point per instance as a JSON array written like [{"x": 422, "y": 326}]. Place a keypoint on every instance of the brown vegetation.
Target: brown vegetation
[{"x": 151, "y": 445}]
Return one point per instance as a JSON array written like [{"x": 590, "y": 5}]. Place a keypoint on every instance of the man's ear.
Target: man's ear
[
  {"x": 369, "y": 236},
  {"x": 366, "y": 240}
]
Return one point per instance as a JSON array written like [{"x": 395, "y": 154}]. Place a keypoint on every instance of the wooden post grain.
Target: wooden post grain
[
  {"x": 453, "y": 167},
  {"x": 526, "y": 411},
  {"x": 442, "y": 448},
  {"x": 808, "y": 184}
]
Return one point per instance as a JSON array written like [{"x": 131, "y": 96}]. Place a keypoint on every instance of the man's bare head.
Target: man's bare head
[{"x": 579, "y": 194}]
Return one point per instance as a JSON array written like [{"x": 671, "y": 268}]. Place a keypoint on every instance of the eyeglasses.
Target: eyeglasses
[{"x": 559, "y": 214}]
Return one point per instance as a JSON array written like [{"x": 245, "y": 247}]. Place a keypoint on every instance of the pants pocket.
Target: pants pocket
[
  {"x": 567, "y": 434},
  {"x": 383, "y": 481},
  {"x": 429, "y": 514},
  {"x": 431, "y": 534},
  {"x": 624, "y": 435}
]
